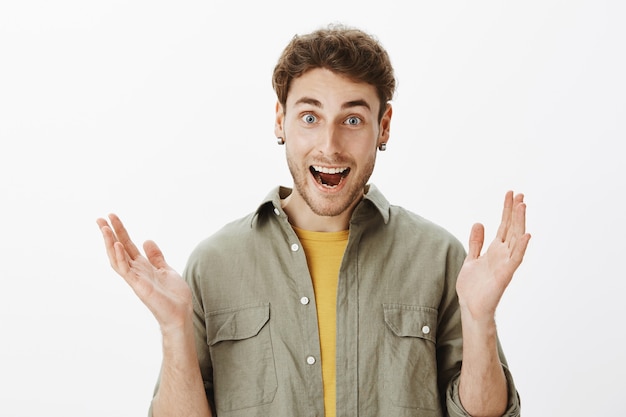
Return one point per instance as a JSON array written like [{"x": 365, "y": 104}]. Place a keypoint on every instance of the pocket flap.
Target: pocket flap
[
  {"x": 236, "y": 323},
  {"x": 411, "y": 321}
]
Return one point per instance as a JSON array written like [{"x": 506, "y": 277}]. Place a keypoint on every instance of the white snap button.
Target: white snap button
[
  {"x": 425, "y": 329},
  {"x": 276, "y": 211},
  {"x": 295, "y": 247},
  {"x": 310, "y": 360},
  {"x": 304, "y": 300}
]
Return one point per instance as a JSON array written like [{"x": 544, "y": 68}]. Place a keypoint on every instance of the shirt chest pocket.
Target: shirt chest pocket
[
  {"x": 410, "y": 357},
  {"x": 240, "y": 343}
]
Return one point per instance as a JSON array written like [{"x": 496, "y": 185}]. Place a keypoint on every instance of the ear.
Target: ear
[
  {"x": 279, "y": 121},
  {"x": 385, "y": 125}
]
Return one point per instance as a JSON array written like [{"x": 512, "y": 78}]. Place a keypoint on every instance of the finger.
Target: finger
[
  {"x": 123, "y": 237},
  {"x": 517, "y": 255},
  {"x": 506, "y": 216},
  {"x": 101, "y": 222},
  {"x": 154, "y": 254},
  {"x": 477, "y": 237},
  {"x": 518, "y": 223},
  {"x": 517, "y": 226},
  {"x": 122, "y": 260},
  {"x": 134, "y": 272},
  {"x": 109, "y": 240}
]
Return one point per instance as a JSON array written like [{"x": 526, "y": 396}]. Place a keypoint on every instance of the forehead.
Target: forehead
[{"x": 327, "y": 89}]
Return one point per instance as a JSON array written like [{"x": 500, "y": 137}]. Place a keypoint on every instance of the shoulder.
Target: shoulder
[
  {"x": 407, "y": 222},
  {"x": 229, "y": 235},
  {"x": 394, "y": 222},
  {"x": 240, "y": 231}
]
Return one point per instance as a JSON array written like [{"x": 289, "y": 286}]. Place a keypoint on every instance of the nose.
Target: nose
[{"x": 330, "y": 143}]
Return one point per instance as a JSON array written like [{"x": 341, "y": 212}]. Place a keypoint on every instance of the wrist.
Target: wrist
[
  {"x": 177, "y": 333},
  {"x": 483, "y": 323}
]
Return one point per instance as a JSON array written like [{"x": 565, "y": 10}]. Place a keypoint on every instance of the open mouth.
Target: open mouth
[{"x": 329, "y": 177}]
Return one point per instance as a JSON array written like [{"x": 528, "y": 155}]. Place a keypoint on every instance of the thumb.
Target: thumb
[
  {"x": 154, "y": 254},
  {"x": 477, "y": 237}
]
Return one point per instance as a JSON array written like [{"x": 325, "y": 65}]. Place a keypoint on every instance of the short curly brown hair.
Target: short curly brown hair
[{"x": 341, "y": 49}]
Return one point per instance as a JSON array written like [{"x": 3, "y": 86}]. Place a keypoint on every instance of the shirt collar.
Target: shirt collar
[{"x": 372, "y": 198}]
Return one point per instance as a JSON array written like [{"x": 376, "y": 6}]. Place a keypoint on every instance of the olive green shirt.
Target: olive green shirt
[{"x": 399, "y": 341}]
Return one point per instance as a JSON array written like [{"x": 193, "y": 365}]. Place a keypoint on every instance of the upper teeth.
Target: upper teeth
[{"x": 325, "y": 170}]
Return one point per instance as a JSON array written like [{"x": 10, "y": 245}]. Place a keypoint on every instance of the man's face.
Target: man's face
[{"x": 331, "y": 132}]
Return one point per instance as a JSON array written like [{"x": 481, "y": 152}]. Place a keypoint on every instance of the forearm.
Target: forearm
[
  {"x": 181, "y": 389},
  {"x": 482, "y": 388}
]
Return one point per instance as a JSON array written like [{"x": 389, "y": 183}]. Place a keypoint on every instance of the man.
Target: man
[{"x": 327, "y": 300}]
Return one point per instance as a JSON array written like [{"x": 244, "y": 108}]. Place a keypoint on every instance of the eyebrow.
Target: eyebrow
[
  {"x": 356, "y": 103},
  {"x": 346, "y": 105}
]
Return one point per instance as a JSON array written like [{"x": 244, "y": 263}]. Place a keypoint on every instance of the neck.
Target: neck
[{"x": 301, "y": 216}]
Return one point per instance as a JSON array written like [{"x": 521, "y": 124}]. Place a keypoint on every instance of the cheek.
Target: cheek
[
  {"x": 294, "y": 149},
  {"x": 300, "y": 141},
  {"x": 363, "y": 146},
  {"x": 367, "y": 155}
]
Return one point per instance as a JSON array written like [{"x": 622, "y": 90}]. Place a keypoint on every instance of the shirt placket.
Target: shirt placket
[
  {"x": 308, "y": 350},
  {"x": 348, "y": 328}
]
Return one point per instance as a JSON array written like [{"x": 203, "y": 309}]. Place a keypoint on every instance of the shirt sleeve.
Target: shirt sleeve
[
  {"x": 450, "y": 349},
  {"x": 191, "y": 273},
  {"x": 455, "y": 408},
  {"x": 195, "y": 274}
]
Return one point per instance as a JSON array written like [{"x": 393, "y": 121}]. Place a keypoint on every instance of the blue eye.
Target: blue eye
[
  {"x": 309, "y": 118},
  {"x": 353, "y": 121}
]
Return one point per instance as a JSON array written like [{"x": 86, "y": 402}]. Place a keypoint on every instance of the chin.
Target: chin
[{"x": 331, "y": 205}]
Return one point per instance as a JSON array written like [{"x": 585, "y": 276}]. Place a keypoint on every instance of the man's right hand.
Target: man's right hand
[
  {"x": 181, "y": 389},
  {"x": 158, "y": 286}
]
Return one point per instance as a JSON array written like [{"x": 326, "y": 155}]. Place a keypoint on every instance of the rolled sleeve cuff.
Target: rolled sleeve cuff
[{"x": 453, "y": 400}]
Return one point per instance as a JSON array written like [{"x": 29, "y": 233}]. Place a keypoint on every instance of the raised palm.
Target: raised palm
[
  {"x": 484, "y": 278},
  {"x": 158, "y": 286}
]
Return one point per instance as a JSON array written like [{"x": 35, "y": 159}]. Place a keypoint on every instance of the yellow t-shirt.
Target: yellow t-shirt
[{"x": 324, "y": 252}]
